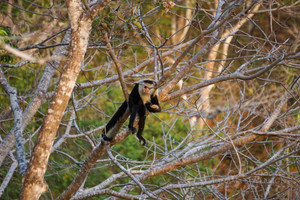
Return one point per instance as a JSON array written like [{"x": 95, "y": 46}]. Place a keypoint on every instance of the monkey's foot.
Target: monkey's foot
[
  {"x": 142, "y": 140},
  {"x": 104, "y": 137},
  {"x": 132, "y": 129}
]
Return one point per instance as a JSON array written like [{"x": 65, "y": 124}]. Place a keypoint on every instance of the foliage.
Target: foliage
[{"x": 5, "y": 33}]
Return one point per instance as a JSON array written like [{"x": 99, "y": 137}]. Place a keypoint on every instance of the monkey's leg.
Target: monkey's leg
[
  {"x": 133, "y": 111},
  {"x": 142, "y": 115},
  {"x": 105, "y": 137}
]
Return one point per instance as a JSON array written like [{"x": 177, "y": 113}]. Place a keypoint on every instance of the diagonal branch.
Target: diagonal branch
[
  {"x": 93, "y": 157},
  {"x": 114, "y": 160},
  {"x": 19, "y": 141},
  {"x": 235, "y": 75},
  {"x": 118, "y": 67},
  {"x": 8, "y": 176}
]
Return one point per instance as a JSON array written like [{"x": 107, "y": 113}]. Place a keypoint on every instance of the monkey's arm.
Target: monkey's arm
[
  {"x": 153, "y": 106},
  {"x": 112, "y": 122}
]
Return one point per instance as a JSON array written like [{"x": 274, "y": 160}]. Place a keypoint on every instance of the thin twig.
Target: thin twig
[
  {"x": 118, "y": 67},
  {"x": 15, "y": 65},
  {"x": 114, "y": 160}
]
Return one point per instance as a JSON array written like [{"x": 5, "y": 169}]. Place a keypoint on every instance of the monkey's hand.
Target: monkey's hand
[{"x": 155, "y": 107}]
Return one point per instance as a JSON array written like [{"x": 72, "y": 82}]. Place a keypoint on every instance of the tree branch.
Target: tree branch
[
  {"x": 19, "y": 141},
  {"x": 118, "y": 67},
  {"x": 114, "y": 160}
]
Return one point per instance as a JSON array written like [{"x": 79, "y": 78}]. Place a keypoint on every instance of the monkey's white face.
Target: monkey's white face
[{"x": 146, "y": 90}]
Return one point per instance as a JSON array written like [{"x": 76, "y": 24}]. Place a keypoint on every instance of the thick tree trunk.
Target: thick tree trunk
[
  {"x": 81, "y": 21},
  {"x": 33, "y": 181}
]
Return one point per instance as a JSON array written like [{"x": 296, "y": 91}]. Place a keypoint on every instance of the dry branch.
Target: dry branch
[
  {"x": 38, "y": 98},
  {"x": 19, "y": 141},
  {"x": 118, "y": 67}
]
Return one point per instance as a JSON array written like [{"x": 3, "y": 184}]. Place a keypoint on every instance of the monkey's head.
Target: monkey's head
[{"x": 147, "y": 87}]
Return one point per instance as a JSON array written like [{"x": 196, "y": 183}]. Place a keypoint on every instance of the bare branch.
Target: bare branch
[
  {"x": 118, "y": 67},
  {"x": 8, "y": 176},
  {"x": 19, "y": 141},
  {"x": 14, "y": 66},
  {"x": 113, "y": 159}
]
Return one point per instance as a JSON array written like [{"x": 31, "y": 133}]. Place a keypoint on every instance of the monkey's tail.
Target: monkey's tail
[{"x": 112, "y": 122}]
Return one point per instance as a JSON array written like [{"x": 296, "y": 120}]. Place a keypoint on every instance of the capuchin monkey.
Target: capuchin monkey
[{"x": 143, "y": 96}]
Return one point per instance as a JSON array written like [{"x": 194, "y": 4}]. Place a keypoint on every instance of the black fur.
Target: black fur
[{"x": 136, "y": 106}]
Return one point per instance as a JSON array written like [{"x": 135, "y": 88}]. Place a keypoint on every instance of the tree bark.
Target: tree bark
[
  {"x": 37, "y": 99},
  {"x": 19, "y": 141},
  {"x": 33, "y": 181},
  {"x": 92, "y": 159}
]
